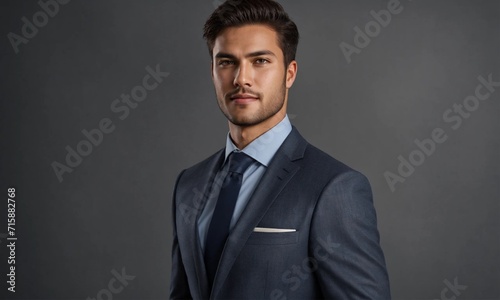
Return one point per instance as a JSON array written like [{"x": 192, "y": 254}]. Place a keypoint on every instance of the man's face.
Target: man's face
[{"x": 249, "y": 75}]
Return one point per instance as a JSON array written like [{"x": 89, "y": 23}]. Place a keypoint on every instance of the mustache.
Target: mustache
[{"x": 244, "y": 91}]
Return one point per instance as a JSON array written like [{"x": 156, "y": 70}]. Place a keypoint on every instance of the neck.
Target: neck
[{"x": 244, "y": 135}]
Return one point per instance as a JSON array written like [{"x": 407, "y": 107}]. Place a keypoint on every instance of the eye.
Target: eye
[
  {"x": 225, "y": 62},
  {"x": 261, "y": 61}
]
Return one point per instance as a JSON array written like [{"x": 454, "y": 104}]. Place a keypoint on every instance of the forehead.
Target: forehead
[{"x": 247, "y": 38}]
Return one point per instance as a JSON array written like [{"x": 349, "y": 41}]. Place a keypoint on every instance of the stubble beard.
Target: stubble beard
[{"x": 265, "y": 111}]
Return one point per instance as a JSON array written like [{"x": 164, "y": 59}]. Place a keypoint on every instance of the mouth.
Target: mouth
[{"x": 243, "y": 98}]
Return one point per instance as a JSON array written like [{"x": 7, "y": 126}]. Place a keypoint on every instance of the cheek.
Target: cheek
[
  {"x": 273, "y": 74},
  {"x": 222, "y": 80},
  {"x": 269, "y": 79},
  {"x": 220, "y": 85}
]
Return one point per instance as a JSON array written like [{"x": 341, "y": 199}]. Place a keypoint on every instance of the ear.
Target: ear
[{"x": 291, "y": 74}]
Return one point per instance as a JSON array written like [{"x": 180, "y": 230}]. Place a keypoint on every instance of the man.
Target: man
[{"x": 269, "y": 216}]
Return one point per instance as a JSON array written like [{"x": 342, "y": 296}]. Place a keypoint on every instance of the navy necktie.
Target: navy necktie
[{"x": 221, "y": 219}]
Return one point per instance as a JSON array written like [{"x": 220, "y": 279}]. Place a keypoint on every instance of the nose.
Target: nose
[{"x": 243, "y": 76}]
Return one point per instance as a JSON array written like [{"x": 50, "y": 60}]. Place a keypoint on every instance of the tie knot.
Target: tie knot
[{"x": 239, "y": 162}]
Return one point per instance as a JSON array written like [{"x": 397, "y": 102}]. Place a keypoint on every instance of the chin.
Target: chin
[
  {"x": 242, "y": 121},
  {"x": 247, "y": 120}
]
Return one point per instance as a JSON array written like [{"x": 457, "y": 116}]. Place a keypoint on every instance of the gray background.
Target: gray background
[{"x": 113, "y": 210}]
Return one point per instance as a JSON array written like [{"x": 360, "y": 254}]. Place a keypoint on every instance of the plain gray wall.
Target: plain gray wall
[{"x": 114, "y": 210}]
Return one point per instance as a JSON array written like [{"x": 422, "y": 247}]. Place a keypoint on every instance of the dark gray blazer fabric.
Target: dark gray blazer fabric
[{"x": 333, "y": 254}]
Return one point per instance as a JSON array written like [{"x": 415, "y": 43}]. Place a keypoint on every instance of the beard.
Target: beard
[{"x": 266, "y": 110}]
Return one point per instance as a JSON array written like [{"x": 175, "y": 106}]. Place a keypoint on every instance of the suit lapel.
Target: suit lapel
[
  {"x": 199, "y": 195},
  {"x": 281, "y": 169}
]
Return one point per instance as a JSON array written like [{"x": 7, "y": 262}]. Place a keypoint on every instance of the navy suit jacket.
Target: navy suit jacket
[{"x": 334, "y": 252}]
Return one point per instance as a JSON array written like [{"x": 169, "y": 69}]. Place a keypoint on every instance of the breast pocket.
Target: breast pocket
[{"x": 273, "y": 238}]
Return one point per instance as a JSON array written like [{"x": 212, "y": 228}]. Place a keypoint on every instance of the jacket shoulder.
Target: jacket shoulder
[
  {"x": 324, "y": 163},
  {"x": 208, "y": 163}
]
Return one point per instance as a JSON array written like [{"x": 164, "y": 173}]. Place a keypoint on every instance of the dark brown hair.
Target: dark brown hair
[{"x": 235, "y": 13}]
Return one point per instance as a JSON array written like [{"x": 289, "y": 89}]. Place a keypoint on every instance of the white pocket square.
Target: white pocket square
[{"x": 265, "y": 229}]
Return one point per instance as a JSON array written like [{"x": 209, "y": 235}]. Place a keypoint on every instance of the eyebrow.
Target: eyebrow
[{"x": 251, "y": 54}]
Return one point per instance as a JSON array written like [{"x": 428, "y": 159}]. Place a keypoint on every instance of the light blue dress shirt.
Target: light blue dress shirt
[{"x": 262, "y": 150}]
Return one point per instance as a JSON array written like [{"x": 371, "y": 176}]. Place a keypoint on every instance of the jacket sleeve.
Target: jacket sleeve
[
  {"x": 344, "y": 240},
  {"x": 179, "y": 287}
]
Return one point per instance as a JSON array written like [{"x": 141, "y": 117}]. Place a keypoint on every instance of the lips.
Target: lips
[{"x": 243, "y": 98}]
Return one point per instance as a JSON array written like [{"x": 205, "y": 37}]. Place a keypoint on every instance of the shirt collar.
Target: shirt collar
[{"x": 263, "y": 148}]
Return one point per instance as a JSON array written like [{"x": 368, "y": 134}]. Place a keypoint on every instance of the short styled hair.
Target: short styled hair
[{"x": 236, "y": 13}]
